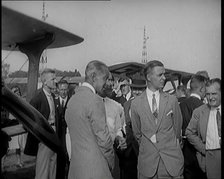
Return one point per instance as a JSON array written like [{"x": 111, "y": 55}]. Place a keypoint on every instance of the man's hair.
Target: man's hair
[
  {"x": 96, "y": 67},
  {"x": 63, "y": 81},
  {"x": 44, "y": 72},
  {"x": 212, "y": 81},
  {"x": 123, "y": 78},
  {"x": 197, "y": 81},
  {"x": 150, "y": 65},
  {"x": 203, "y": 73}
]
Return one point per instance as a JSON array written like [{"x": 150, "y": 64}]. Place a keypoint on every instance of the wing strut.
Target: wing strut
[{"x": 33, "y": 49}]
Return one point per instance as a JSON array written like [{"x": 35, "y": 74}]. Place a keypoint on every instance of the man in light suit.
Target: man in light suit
[
  {"x": 92, "y": 154},
  {"x": 204, "y": 131},
  {"x": 43, "y": 101},
  {"x": 156, "y": 122}
]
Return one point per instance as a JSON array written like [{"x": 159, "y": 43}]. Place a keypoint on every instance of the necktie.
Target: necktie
[
  {"x": 62, "y": 103},
  {"x": 154, "y": 106},
  {"x": 218, "y": 119},
  {"x": 52, "y": 110}
]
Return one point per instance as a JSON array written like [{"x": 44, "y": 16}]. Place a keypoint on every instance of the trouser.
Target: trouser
[
  {"x": 191, "y": 166},
  {"x": 213, "y": 164},
  {"x": 45, "y": 163},
  {"x": 161, "y": 173}
]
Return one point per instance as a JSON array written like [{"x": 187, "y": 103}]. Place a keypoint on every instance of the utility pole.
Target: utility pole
[
  {"x": 144, "y": 50},
  {"x": 43, "y": 60}
]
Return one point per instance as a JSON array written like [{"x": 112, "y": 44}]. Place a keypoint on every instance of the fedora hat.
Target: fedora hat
[{"x": 138, "y": 83}]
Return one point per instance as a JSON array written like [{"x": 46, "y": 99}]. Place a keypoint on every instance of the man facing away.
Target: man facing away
[
  {"x": 44, "y": 103},
  {"x": 204, "y": 131},
  {"x": 187, "y": 106},
  {"x": 181, "y": 93},
  {"x": 92, "y": 154},
  {"x": 156, "y": 122}
]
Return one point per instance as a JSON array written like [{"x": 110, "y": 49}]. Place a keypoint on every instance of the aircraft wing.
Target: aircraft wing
[
  {"x": 20, "y": 28},
  {"x": 130, "y": 69}
]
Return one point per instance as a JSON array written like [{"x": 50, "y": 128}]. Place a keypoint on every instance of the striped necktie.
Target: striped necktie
[
  {"x": 154, "y": 107},
  {"x": 218, "y": 119}
]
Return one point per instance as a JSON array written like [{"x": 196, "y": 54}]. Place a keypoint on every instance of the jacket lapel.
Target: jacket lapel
[
  {"x": 146, "y": 108},
  {"x": 204, "y": 123},
  {"x": 162, "y": 106}
]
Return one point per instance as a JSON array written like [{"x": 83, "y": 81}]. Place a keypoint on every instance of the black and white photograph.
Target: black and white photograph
[{"x": 111, "y": 89}]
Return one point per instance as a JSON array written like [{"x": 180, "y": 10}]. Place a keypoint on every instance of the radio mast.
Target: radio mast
[
  {"x": 144, "y": 50},
  {"x": 43, "y": 60}
]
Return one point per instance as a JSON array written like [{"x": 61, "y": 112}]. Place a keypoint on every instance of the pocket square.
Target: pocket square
[{"x": 170, "y": 112}]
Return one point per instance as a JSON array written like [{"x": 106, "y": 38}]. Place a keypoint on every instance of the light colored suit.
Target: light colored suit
[
  {"x": 196, "y": 134},
  {"x": 167, "y": 130},
  {"x": 92, "y": 154}
]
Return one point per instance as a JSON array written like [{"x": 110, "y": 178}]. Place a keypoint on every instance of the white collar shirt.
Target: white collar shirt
[
  {"x": 149, "y": 94},
  {"x": 115, "y": 117},
  {"x": 51, "y": 118},
  {"x": 195, "y": 95},
  {"x": 89, "y": 86},
  {"x": 61, "y": 99},
  {"x": 212, "y": 136},
  {"x": 128, "y": 95}
]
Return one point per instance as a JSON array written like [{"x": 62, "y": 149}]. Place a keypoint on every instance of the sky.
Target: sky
[{"x": 183, "y": 34}]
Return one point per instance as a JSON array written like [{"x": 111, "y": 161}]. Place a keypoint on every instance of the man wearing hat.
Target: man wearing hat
[
  {"x": 124, "y": 84},
  {"x": 128, "y": 157}
]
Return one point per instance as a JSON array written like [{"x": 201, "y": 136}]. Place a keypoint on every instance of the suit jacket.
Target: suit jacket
[
  {"x": 92, "y": 154},
  {"x": 187, "y": 107},
  {"x": 39, "y": 101},
  {"x": 196, "y": 132},
  {"x": 122, "y": 99},
  {"x": 132, "y": 144},
  {"x": 60, "y": 122},
  {"x": 167, "y": 130}
]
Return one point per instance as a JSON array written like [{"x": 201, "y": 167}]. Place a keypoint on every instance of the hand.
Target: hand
[{"x": 122, "y": 145}]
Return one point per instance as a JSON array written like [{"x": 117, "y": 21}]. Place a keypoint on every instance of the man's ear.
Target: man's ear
[
  {"x": 148, "y": 78},
  {"x": 93, "y": 76}
]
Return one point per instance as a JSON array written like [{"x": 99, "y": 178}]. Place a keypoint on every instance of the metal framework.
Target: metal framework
[{"x": 144, "y": 50}]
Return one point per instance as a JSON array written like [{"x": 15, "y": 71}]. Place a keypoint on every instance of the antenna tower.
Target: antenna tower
[
  {"x": 144, "y": 50},
  {"x": 43, "y": 60}
]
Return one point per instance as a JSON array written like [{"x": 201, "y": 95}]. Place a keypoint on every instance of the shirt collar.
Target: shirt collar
[
  {"x": 219, "y": 107},
  {"x": 61, "y": 99},
  {"x": 86, "y": 84},
  {"x": 195, "y": 95},
  {"x": 46, "y": 93},
  {"x": 150, "y": 92}
]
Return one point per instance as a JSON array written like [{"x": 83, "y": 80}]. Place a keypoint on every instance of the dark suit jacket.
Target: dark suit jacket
[
  {"x": 39, "y": 101},
  {"x": 132, "y": 143},
  {"x": 122, "y": 99},
  {"x": 60, "y": 121},
  {"x": 187, "y": 107}
]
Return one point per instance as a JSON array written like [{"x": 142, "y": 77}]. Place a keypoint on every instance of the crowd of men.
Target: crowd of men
[{"x": 129, "y": 128}]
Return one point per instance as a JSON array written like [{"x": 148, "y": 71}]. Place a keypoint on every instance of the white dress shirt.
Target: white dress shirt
[
  {"x": 195, "y": 95},
  {"x": 51, "y": 118},
  {"x": 149, "y": 94},
  {"x": 115, "y": 117},
  {"x": 61, "y": 99},
  {"x": 89, "y": 86},
  {"x": 212, "y": 136}
]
